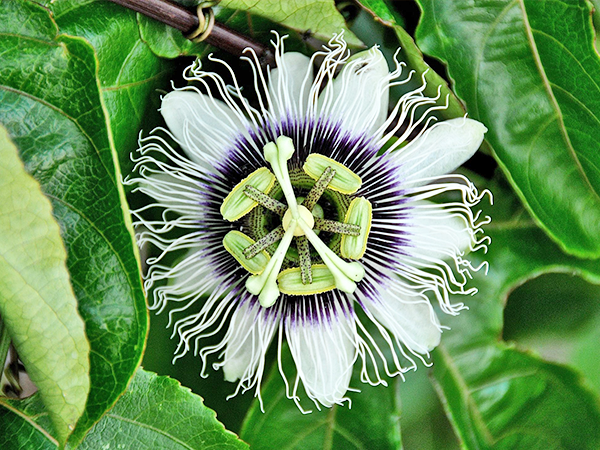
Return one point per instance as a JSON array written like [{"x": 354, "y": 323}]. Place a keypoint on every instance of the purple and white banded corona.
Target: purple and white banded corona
[{"x": 329, "y": 279}]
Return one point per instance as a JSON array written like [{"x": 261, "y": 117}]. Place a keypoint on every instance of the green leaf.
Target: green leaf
[
  {"x": 413, "y": 57},
  {"x": 528, "y": 70},
  {"x": 319, "y": 17},
  {"x": 166, "y": 41},
  {"x": 52, "y": 106},
  {"x": 154, "y": 413},
  {"x": 37, "y": 303},
  {"x": 157, "y": 413},
  {"x": 498, "y": 396},
  {"x": 372, "y": 423},
  {"x": 536, "y": 317},
  {"x": 24, "y": 425},
  {"x": 129, "y": 73}
]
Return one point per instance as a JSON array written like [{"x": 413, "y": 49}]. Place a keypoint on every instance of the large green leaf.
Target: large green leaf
[
  {"x": 319, "y": 17},
  {"x": 372, "y": 422},
  {"x": 129, "y": 73},
  {"x": 24, "y": 425},
  {"x": 155, "y": 413},
  {"x": 528, "y": 70},
  {"x": 536, "y": 317},
  {"x": 37, "y": 303},
  {"x": 51, "y": 104},
  {"x": 498, "y": 396}
]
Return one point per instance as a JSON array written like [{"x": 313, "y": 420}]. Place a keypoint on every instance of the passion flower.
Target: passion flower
[{"x": 304, "y": 214}]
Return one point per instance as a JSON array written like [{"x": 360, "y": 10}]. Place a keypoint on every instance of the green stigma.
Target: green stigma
[{"x": 300, "y": 220}]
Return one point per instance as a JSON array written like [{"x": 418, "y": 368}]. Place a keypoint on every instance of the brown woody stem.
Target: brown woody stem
[{"x": 186, "y": 21}]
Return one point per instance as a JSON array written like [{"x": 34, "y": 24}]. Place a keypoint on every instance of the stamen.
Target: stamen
[
  {"x": 318, "y": 188},
  {"x": 235, "y": 241},
  {"x": 264, "y": 200},
  {"x": 263, "y": 243},
  {"x": 298, "y": 221},
  {"x": 236, "y": 205},
  {"x": 344, "y": 180},
  {"x": 304, "y": 254},
  {"x": 337, "y": 227},
  {"x": 360, "y": 212},
  {"x": 290, "y": 281},
  {"x": 265, "y": 284},
  {"x": 345, "y": 274}
]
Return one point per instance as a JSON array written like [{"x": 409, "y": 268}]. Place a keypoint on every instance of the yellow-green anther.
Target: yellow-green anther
[
  {"x": 359, "y": 213},
  {"x": 278, "y": 155},
  {"x": 344, "y": 181},
  {"x": 264, "y": 200},
  {"x": 235, "y": 242},
  {"x": 345, "y": 274},
  {"x": 290, "y": 281},
  {"x": 265, "y": 284},
  {"x": 318, "y": 188},
  {"x": 264, "y": 242},
  {"x": 236, "y": 205}
]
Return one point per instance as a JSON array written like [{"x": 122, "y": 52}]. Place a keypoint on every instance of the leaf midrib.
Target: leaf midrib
[
  {"x": 68, "y": 205},
  {"x": 150, "y": 427},
  {"x": 30, "y": 421},
  {"x": 476, "y": 416},
  {"x": 552, "y": 98}
]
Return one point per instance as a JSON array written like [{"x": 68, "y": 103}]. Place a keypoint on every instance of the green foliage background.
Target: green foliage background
[{"x": 519, "y": 370}]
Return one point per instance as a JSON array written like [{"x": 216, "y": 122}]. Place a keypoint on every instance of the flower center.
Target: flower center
[
  {"x": 303, "y": 214},
  {"x": 298, "y": 220}
]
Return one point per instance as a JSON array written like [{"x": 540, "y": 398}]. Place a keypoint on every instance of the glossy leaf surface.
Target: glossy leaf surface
[
  {"x": 496, "y": 395},
  {"x": 130, "y": 76},
  {"x": 24, "y": 424},
  {"x": 37, "y": 303},
  {"x": 155, "y": 413},
  {"x": 528, "y": 70},
  {"x": 52, "y": 106},
  {"x": 319, "y": 17}
]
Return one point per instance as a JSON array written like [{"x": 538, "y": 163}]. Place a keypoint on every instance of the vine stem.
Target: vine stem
[{"x": 186, "y": 21}]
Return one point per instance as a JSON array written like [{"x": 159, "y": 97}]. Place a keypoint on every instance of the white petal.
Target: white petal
[
  {"x": 435, "y": 233},
  {"x": 289, "y": 84},
  {"x": 204, "y": 126},
  {"x": 410, "y": 318},
  {"x": 359, "y": 96},
  {"x": 324, "y": 352},
  {"x": 440, "y": 150},
  {"x": 248, "y": 338}
]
